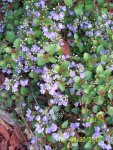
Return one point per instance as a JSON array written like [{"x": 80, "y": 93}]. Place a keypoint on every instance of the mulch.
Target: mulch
[{"x": 12, "y": 136}]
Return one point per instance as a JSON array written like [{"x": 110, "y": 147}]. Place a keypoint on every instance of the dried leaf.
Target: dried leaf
[
  {"x": 11, "y": 148},
  {"x": 7, "y": 118},
  {"x": 5, "y": 125},
  {"x": 19, "y": 134},
  {"x": 4, "y": 133},
  {"x": 2, "y": 78},
  {"x": 65, "y": 48},
  {"x": 4, "y": 145},
  {"x": 14, "y": 141},
  {"x": 28, "y": 133}
]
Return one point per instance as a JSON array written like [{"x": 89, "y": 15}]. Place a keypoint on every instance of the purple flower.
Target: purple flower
[
  {"x": 108, "y": 147},
  {"x": 70, "y": 81},
  {"x": 98, "y": 33},
  {"x": 61, "y": 26},
  {"x": 69, "y": 34},
  {"x": 72, "y": 90},
  {"x": 24, "y": 82},
  {"x": 35, "y": 49},
  {"x": 1, "y": 29},
  {"x": 87, "y": 124},
  {"x": 45, "y": 118},
  {"x": 33, "y": 140},
  {"x": 45, "y": 29},
  {"x": 72, "y": 64},
  {"x": 28, "y": 115},
  {"x": 47, "y": 147},
  {"x": 76, "y": 104},
  {"x": 96, "y": 134},
  {"x": 81, "y": 74},
  {"x": 51, "y": 129},
  {"x": 37, "y": 107},
  {"x": 74, "y": 125},
  {"x": 39, "y": 129},
  {"x": 102, "y": 144},
  {"x": 72, "y": 74},
  {"x": 65, "y": 135},
  {"x": 37, "y": 118},
  {"x": 56, "y": 136},
  {"x": 10, "y": 1},
  {"x": 36, "y": 13},
  {"x": 102, "y": 52},
  {"x": 6, "y": 83},
  {"x": 23, "y": 104},
  {"x": 89, "y": 33},
  {"x": 25, "y": 49},
  {"x": 97, "y": 129},
  {"x": 15, "y": 87},
  {"x": 61, "y": 15}
]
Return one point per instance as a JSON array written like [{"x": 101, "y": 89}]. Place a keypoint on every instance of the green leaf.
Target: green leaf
[
  {"x": 110, "y": 96},
  {"x": 86, "y": 57},
  {"x": 10, "y": 36},
  {"x": 56, "y": 108},
  {"x": 16, "y": 43},
  {"x": 75, "y": 110},
  {"x": 62, "y": 86},
  {"x": 79, "y": 9},
  {"x": 101, "y": 2},
  {"x": 88, "y": 146},
  {"x": 109, "y": 120},
  {"x": 30, "y": 41},
  {"x": 88, "y": 75},
  {"x": 38, "y": 33},
  {"x": 36, "y": 21},
  {"x": 89, "y": 7},
  {"x": 104, "y": 58},
  {"x": 76, "y": 36},
  {"x": 13, "y": 56},
  {"x": 7, "y": 50},
  {"x": 96, "y": 108},
  {"x": 77, "y": 79},
  {"x": 68, "y": 3},
  {"x": 107, "y": 72},
  {"x": 47, "y": 21},
  {"x": 110, "y": 111},
  {"x": 50, "y": 139},
  {"x": 24, "y": 90},
  {"x": 65, "y": 124},
  {"x": 33, "y": 74},
  {"x": 99, "y": 69},
  {"x": 41, "y": 61},
  {"x": 75, "y": 146},
  {"x": 50, "y": 48},
  {"x": 52, "y": 59},
  {"x": 99, "y": 49},
  {"x": 8, "y": 103}
]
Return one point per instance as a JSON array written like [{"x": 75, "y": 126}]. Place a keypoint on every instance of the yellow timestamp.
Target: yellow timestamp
[{"x": 84, "y": 139}]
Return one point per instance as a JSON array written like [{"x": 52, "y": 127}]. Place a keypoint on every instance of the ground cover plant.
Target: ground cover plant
[{"x": 56, "y": 61}]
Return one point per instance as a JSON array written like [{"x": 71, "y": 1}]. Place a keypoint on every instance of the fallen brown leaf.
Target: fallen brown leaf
[
  {"x": 2, "y": 78},
  {"x": 19, "y": 134},
  {"x": 14, "y": 141},
  {"x": 4, "y": 145},
  {"x": 4, "y": 133},
  {"x": 5, "y": 125},
  {"x": 65, "y": 48},
  {"x": 11, "y": 148},
  {"x": 7, "y": 118}
]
